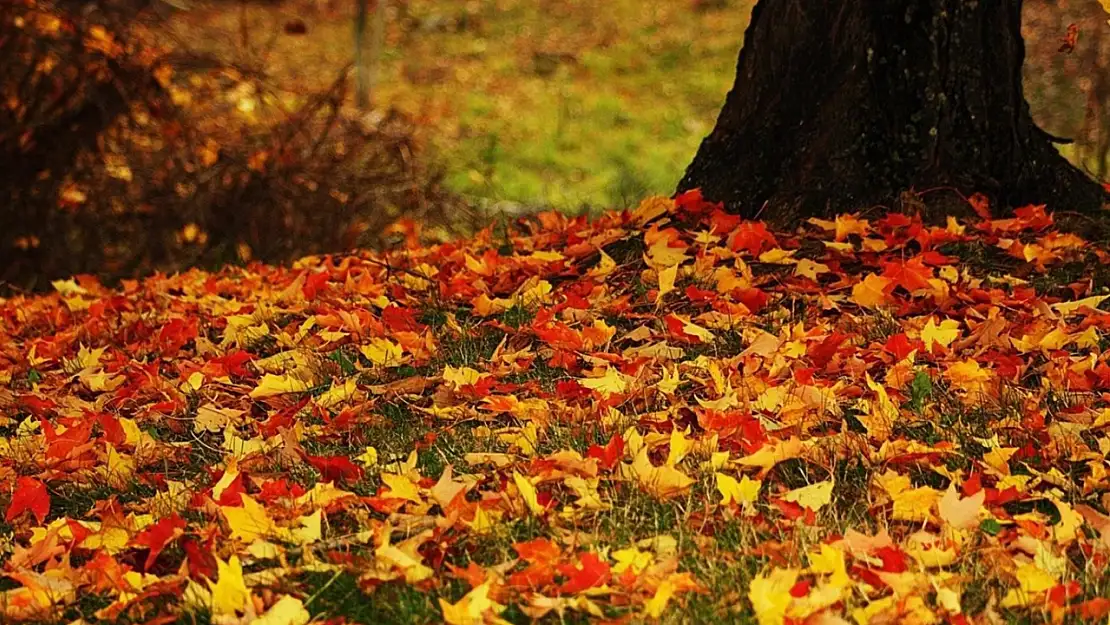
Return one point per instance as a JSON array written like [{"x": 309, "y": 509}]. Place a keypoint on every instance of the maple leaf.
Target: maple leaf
[
  {"x": 911, "y": 274},
  {"x": 369, "y": 457},
  {"x": 872, "y": 291},
  {"x": 847, "y": 225},
  {"x": 473, "y": 608},
  {"x": 250, "y": 521},
  {"x": 157, "y": 536},
  {"x": 589, "y": 572},
  {"x": 383, "y": 352},
  {"x": 400, "y": 487},
  {"x": 528, "y": 493},
  {"x": 981, "y": 205},
  {"x": 770, "y": 595},
  {"x": 335, "y": 468},
  {"x": 968, "y": 376},
  {"x": 612, "y": 382},
  {"x": 943, "y": 334},
  {"x": 814, "y": 496},
  {"x": 30, "y": 494},
  {"x": 662, "y": 481},
  {"x": 278, "y": 385},
  {"x": 609, "y": 455},
  {"x": 286, "y": 611},
  {"x": 744, "y": 492},
  {"x": 666, "y": 283},
  {"x": 960, "y": 513},
  {"x": 229, "y": 591}
]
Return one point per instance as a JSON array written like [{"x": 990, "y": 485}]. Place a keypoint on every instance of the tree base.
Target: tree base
[{"x": 847, "y": 106}]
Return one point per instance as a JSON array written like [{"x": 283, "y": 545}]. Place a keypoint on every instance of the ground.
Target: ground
[
  {"x": 666, "y": 414},
  {"x": 517, "y": 94}
]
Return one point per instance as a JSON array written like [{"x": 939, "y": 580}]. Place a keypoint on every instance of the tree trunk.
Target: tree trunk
[{"x": 844, "y": 105}]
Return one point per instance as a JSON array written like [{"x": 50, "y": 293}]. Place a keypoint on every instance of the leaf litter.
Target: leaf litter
[{"x": 662, "y": 413}]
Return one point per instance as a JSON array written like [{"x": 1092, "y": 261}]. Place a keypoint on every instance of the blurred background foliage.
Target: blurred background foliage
[{"x": 152, "y": 135}]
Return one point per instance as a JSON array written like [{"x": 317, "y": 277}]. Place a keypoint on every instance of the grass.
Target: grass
[{"x": 566, "y": 104}]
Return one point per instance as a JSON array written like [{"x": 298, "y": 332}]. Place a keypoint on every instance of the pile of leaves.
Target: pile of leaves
[
  {"x": 128, "y": 154},
  {"x": 666, "y": 413}
]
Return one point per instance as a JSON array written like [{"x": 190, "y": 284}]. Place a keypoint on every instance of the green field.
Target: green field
[{"x": 550, "y": 102}]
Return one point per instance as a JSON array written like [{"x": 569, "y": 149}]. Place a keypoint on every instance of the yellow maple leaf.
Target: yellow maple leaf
[
  {"x": 773, "y": 453},
  {"x": 770, "y": 595},
  {"x": 286, "y": 611},
  {"x": 382, "y": 352},
  {"x": 118, "y": 469},
  {"x": 1032, "y": 581},
  {"x": 847, "y": 225},
  {"x": 878, "y": 415},
  {"x": 915, "y": 504},
  {"x": 680, "y": 446},
  {"x": 667, "y": 278},
  {"x": 968, "y": 376},
  {"x": 810, "y": 269},
  {"x": 605, "y": 266},
  {"x": 655, "y": 606},
  {"x": 1066, "y": 308},
  {"x": 337, "y": 394},
  {"x": 744, "y": 491},
  {"x": 661, "y": 255},
  {"x": 871, "y": 292},
  {"x": 777, "y": 256},
  {"x": 814, "y": 496},
  {"x": 528, "y": 494},
  {"x": 670, "y": 381},
  {"x": 524, "y": 438},
  {"x": 662, "y": 481},
  {"x": 229, "y": 591},
  {"x": 368, "y": 458},
  {"x": 652, "y": 207},
  {"x": 829, "y": 560},
  {"x": 249, "y": 521},
  {"x": 473, "y": 608},
  {"x": 943, "y": 334},
  {"x": 631, "y": 558},
  {"x": 400, "y": 487},
  {"x": 278, "y": 385},
  {"x": 613, "y": 382},
  {"x": 461, "y": 376}
]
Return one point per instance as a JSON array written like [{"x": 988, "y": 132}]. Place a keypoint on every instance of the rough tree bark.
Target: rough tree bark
[{"x": 842, "y": 105}]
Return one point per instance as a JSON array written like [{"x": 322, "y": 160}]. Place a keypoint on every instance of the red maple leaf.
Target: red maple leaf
[
  {"x": 537, "y": 550},
  {"x": 590, "y": 571},
  {"x": 199, "y": 558},
  {"x": 399, "y": 318},
  {"x": 821, "y": 353},
  {"x": 752, "y": 237},
  {"x": 910, "y": 274},
  {"x": 335, "y": 468},
  {"x": 30, "y": 494},
  {"x": 157, "y": 536},
  {"x": 609, "y": 455},
  {"x": 314, "y": 284},
  {"x": 113, "y": 431},
  {"x": 175, "y": 334},
  {"x": 981, "y": 205}
]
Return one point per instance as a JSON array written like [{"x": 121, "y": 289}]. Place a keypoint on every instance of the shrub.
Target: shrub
[{"x": 122, "y": 158}]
